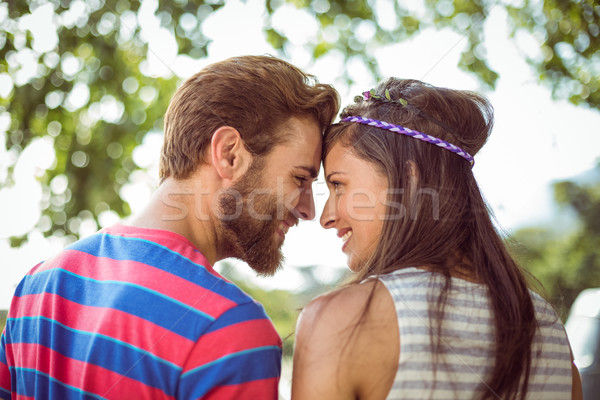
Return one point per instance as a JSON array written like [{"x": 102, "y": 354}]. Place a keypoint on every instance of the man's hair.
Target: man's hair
[{"x": 253, "y": 94}]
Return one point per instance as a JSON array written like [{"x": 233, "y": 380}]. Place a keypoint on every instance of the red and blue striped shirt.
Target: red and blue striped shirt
[{"x": 132, "y": 313}]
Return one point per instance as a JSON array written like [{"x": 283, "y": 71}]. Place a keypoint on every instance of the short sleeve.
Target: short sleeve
[{"x": 238, "y": 357}]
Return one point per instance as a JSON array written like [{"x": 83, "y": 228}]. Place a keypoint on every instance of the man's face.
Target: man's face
[{"x": 274, "y": 193}]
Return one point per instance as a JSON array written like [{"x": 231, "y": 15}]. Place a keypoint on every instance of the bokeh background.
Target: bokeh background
[{"x": 84, "y": 86}]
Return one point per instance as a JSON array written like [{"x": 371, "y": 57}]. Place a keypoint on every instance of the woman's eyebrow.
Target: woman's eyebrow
[{"x": 328, "y": 177}]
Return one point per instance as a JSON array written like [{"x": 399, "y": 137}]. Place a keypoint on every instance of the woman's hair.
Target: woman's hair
[
  {"x": 254, "y": 94},
  {"x": 436, "y": 216}
]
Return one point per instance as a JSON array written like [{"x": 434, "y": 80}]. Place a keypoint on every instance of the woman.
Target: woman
[{"x": 437, "y": 307}]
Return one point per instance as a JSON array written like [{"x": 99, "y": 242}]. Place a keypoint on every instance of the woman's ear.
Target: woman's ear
[
  {"x": 413, "y": 175},
  {"x": 228, "y": 153}
]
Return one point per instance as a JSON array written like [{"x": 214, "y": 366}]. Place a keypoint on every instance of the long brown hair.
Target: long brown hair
[
  {"x": 440, "y": 220},
  {"x": 254, "y": 94}
]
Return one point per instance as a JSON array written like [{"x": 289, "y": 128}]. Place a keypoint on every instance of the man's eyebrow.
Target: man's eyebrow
[{"x": 311, "y": 170}]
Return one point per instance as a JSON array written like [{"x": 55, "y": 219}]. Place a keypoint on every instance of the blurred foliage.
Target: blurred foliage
[
  {"x": 3, "y": 315},
  {"x": 283, "y": 307},
  {"x": 92, "y": 95},
  {"x": 566, "y": 262},
  {"x": 568, "y": 32}
]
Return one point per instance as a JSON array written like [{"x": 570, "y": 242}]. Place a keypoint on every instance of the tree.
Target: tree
[
  {"x": 568, "y": 32},
  {"x": 566, "y": 262},
  {"x": 3, "y": 315},
  {"x": 82, "y": 78},
  {"x": 283, "y": 307}
]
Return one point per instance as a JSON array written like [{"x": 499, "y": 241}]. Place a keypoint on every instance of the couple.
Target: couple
[{"x": 437, "y": 307}]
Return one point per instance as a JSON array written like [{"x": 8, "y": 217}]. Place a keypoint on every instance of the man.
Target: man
[{"x": 136, "y": 311}]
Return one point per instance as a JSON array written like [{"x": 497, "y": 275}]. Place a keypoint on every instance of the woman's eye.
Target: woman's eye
[{"x": 336, "y": 186}]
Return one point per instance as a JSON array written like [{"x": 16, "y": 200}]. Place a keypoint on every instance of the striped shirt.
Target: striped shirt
[
  {"x": 466, "y": 354},
  {"x": 133, "y": 313}
]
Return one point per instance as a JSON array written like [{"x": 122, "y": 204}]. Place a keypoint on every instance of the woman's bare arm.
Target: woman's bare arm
[{"x": 337, "y": 354}]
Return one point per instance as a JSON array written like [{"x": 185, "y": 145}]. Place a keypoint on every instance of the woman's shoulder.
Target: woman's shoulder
[
  {"x": 349, "y": 338},
  {"x": 346, "y": 304}
]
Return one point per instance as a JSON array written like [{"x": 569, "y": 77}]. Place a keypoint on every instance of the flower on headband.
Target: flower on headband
[{"x": 371, "y": 94}]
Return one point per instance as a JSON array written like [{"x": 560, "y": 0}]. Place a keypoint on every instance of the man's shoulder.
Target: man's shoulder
[{"x": 242, "y": 310}]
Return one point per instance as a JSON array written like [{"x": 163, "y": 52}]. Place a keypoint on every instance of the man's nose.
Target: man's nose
[{"x": 306, "y": 205}]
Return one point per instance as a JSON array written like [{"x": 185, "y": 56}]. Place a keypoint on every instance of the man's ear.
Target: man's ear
[{"x": 228, "y": 153}]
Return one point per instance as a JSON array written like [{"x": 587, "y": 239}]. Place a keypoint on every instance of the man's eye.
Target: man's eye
[{"x": 301, "y": 179}]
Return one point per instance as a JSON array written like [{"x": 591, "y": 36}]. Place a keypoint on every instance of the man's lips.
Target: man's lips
[{"x": 284, "y": 226}]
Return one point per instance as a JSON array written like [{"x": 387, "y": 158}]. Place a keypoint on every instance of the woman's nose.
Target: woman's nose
[{"x": 328, "y": 215}]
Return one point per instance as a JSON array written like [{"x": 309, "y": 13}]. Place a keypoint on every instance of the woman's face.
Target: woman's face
[{"x": 356, "y": 206}]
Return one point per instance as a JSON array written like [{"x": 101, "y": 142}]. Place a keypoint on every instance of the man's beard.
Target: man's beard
[{"x": 248, "y": 230}]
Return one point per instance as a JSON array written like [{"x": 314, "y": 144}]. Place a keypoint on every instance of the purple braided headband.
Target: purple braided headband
[{"x": 417, "y": 135}]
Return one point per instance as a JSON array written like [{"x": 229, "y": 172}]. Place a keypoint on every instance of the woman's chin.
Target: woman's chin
[{"x": 353, "y": 264}]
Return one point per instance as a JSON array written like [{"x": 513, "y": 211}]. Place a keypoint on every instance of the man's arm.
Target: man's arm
[
  {"x": 5, "y": 386},
  {"x": 239, "y": 356}
]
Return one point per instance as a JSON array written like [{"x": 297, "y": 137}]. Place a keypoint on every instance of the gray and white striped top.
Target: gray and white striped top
[{"x": 466, "y": 348}]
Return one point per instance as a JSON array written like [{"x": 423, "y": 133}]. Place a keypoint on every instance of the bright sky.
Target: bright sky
[{"x": 535, "y": 140}]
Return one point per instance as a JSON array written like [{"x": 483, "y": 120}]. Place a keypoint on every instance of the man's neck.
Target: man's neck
[{"x": 183, "y": 207}]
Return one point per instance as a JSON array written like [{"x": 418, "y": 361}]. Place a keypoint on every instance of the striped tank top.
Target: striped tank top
[{"x": 466, "y": 349}]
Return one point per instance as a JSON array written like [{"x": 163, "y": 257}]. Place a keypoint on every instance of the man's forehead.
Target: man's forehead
[
  {"x": 305, "y": 137},
  {"x": 298, "y": 121},
  {"x": 301, "y": 130}
]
